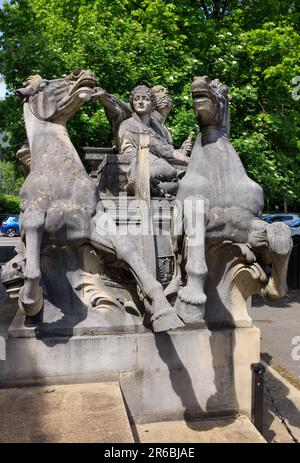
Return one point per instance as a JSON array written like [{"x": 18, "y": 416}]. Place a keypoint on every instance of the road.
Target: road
[
  {"x": 279, "y": 322},
  {"x": 4, "y": 241},
  {"x": 7, "y": 246}
]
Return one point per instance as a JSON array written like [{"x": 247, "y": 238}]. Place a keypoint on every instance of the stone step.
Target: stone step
[
  {"x": 92, "y": 412},
  {"x": 226, "y": 430}
]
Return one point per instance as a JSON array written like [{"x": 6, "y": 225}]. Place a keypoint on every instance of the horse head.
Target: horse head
[
  {"x": 57, "y": 99},
  {"x": 210, "y": 99}
]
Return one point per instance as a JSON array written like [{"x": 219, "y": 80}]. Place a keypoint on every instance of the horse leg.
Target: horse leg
[
  {"x": 190, "y": 302},
  {"x": 162, "y": 316},
  {"x": 280, "y": 247},
  {"x": 31, "y": 295}
]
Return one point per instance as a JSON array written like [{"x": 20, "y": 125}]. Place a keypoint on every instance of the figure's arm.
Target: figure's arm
[
  {"x": 115, "y": 109},
  {"x": 128, "y": 140},
  {"x": 166, "y": 148},
  {"x": 162, "y": 148},
  {"x": 182, "y": 153}
]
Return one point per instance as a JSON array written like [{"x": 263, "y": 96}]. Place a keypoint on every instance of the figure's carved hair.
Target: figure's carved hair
[
  {"x": 144, "y": 89},
  {"x": 162, "y": 96}
]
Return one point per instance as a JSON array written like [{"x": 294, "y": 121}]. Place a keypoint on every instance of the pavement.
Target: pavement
[
  {"x": 284, "y": 398},
  {"x": 7, "y": 246},
  {"x": 279, "y": 322},
  {"x": 5, "y": 241},
  {"x": 95, "y": 412},
  {"x": 92, "y": 412},
  {"x": 228, "y": 430}
]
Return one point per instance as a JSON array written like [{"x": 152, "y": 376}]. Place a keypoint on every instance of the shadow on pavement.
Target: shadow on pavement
[
  {"x": 274, "y": 430},
  {"x": 291, "y": 298}
]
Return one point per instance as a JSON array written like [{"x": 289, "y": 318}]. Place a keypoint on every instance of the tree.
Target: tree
[
  {"x": 251, "y": 45},
  {"x": 10, "y": 183}
]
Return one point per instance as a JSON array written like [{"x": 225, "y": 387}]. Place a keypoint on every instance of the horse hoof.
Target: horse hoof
[
  {"x": 188, "y": 312},
  {"x": 272, "y": 293},
  {"x": 273, "y": 290},
  {"x": 28, "y": 306},
  {"x": 165, "y": 320},
  {"x": 192, "y": 296}
]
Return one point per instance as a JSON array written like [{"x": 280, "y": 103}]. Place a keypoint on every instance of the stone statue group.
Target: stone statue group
[{"x": 224, "y": 249}]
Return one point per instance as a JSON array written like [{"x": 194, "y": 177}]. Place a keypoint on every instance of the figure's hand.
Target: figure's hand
[
  {"x": 99, "y": 92},
  {"x": 187, "y": 146},
  {"x": 180, "y": 156}
]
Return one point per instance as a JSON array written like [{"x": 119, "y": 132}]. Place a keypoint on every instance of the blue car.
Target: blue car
[
  {"x": 289, "y": 219},
  {"x": 10, "y": 226},
  {"x": 295, "y": 226}
]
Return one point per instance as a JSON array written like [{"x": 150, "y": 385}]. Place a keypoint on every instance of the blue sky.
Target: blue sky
[
  {"x": 2, "y": 90},
  {"x": 2, "y": 85}
]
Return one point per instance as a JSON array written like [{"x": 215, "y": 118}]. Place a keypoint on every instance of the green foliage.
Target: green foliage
[
  {"x": 10, "y": 182},
  {"x": 252, "y": 46},
  {"x": 9, "y": 204}
]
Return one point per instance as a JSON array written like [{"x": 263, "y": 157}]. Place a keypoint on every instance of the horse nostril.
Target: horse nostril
[{"x": 16, "y": 266}]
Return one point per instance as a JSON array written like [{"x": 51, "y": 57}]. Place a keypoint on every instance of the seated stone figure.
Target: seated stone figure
[
  {"x": 163, "y": 107},
  {"x": 163, "y": 176}
]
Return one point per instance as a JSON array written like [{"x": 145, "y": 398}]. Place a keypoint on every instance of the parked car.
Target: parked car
[
  {"x": 295, "y": 226},
  {"x": 285, "y": 218},
  {"x": 10, "y": 226}
]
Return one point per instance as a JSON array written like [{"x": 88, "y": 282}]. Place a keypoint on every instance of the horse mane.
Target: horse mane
[{"x": 33, "y": 80}]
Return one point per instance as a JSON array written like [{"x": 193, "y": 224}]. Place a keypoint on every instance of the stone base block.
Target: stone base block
[{"x": 186, "y": 373}]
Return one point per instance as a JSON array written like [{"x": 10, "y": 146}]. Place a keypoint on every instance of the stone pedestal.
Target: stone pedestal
[{"x": 188, "y": 373}]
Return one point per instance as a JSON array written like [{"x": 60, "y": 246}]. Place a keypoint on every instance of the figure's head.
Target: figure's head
[
  {"x": 163, "y": 100},
  {"x": 142, "y": 100},
  {"x": 55, "y": 99},
  {"x": 210, "y": 98}
]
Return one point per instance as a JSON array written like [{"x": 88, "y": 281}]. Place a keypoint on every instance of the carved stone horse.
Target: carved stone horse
[
  {"x": 59, "y": 201},
  {"x": 225, "y": 205}
]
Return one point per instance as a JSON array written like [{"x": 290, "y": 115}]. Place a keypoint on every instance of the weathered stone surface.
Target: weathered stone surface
[
  {"x": 200, "y": 373},
  {"x": 222, "y": 208},
  {"x": 186, "y": 373},
  {"x": 67, "y": 359},
  {"x": 84, "y": 324},
  {"x": 60, "y": 203},
  {"x": 161, "y": 151},
  {"x": 118, "y": 112},
  {"x": 56, "y": 414}
]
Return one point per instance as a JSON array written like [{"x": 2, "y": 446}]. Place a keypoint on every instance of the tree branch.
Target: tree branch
[
  {"x": 204, "y": 7},
  {"x": 216, "y": 9},
  {"x": 225, "y": 6}
]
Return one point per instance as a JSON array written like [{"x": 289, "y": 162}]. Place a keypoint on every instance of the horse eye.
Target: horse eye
[{"x": 42, "y": 85}]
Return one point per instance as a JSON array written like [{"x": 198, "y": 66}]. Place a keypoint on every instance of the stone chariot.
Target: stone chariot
[{"x": 142, "y": 271}]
